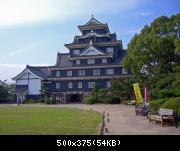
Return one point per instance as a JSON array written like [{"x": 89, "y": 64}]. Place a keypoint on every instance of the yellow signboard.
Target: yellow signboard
[{"x": 137, "y": 92}]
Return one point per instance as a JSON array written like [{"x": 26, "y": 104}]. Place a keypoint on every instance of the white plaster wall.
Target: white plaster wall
[
  {"x": 34, "y": 82},
  {"x": 34, "y": 86}
]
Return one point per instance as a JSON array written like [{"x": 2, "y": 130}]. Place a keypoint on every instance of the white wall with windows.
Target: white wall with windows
[{"x": 31, "y": 80}]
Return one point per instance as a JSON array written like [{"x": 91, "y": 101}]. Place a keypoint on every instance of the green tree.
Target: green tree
[
  {"x": 152, "y": 52},
  {"x": 122, "y": 88},
  {"x": 3, "y": 91},
  {"x": 95, "y": 91}
]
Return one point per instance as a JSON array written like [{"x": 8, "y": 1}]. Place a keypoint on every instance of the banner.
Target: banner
[
  {"x": 146, "y": 97},
  {"x": 137, "y": 92}
]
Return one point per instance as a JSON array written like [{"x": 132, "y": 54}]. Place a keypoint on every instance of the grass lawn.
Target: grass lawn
[{"x": 48, "y": 120}]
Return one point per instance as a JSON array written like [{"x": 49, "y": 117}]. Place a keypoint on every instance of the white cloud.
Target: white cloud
[
  {"x": 22, "y": 50},
  {"x": 23, "y": 11},
  {"x": 8, "y": 71}
]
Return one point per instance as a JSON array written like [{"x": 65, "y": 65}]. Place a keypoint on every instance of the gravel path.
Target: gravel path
[{"x": 123, "y": 121}]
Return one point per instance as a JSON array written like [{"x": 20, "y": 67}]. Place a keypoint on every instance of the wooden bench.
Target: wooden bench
[{"x": 164, "y": 115}]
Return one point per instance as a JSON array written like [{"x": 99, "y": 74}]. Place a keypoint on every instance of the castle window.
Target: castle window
[
  {"x": 79, "y": 85},
  {"x": 109, "y": 50},
  {"x": 109, "y": 71},
  {"x": 78, "y": 62},
  {"x": 57, "y": 73},
  {"x": 58, "y": 85},
  {"x": 90, "y": 61},
  {"x": 124, "y": 71},
  {"x": 81, "y": 73},
  {"x": 69, "y": 73},
  {"x": 76, "y": 52},
  {"x": 96, "y": 72},
  {"x": 91, "y": 84},
  {"x": 104, "y": 60},
  {"x": 108, "y": 84},
  {"x": 70, "y": 85}
]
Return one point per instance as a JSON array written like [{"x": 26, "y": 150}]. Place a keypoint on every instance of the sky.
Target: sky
[{"x": 34, "y": 31}]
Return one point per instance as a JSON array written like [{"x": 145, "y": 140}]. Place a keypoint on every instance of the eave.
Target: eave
[
  {"x": 89, "y": 27},
  {"x": 90, "y": 57},
  {"x": 88, "y": 78},
  {"x": 87, "y": 67},
  {"x": 111, "y": 43}
]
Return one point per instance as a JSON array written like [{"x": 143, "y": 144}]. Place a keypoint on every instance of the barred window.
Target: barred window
[
  {"x": 96, "y": 72},
  {"x": 108, "y": 84},
  {"x": 70, "y": 85},
  {"x": 69, "y": 73},
  {"x": 104, "y": 60},
  {"x": 81, "y": 73},
  {"x": 78, "y": 62},
  {"x": 109, "y": 71},
  {"x": 76, "y": 52},
  {"x": 109, "y": 50},
  {"x": 58, "y": 85},
  {"x": 57, "y": 73},
  {"x": 91, "y": 84},
  {"x": 90, "y": 61},
  {"x": 79, "y": 85},
  {"x": 124, "y": 71}
]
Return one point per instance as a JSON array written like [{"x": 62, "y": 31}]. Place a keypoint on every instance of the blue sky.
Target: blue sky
[{"x": 33, "y": 31}]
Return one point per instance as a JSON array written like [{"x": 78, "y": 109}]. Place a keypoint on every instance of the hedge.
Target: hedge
[{"x": 90, "y": 100}]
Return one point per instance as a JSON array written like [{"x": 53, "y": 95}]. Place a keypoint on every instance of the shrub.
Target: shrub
[
  {"x": 172, "y": 103},
  {"x": 107, "y": 100},
  {"x": 29, "y": 101},
  {"x": 90, "y": 100},
  {"x": 168, "y": 93},
  {"x": 40, "y": 101},
  {"x": 156, "y": 105},
  {"x": 48, "y": 101},
  {"x": 115, "y": 100},
  {"x": 53, "y": 101},
  {"x": 126, "y": 102}
]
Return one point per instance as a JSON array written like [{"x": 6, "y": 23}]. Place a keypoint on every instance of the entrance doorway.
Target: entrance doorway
[{"x": 75, "y": 98}]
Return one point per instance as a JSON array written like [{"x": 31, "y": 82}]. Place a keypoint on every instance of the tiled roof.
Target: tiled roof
[
  {"x": 42, "y": 72},
  {"x": 63, "y": 60}
]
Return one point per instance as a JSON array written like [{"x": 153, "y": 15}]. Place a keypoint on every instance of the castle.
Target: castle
[{"x": 94, "y": 58}]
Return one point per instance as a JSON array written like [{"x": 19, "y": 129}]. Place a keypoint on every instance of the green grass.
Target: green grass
[{"x": 48, "y": 121}]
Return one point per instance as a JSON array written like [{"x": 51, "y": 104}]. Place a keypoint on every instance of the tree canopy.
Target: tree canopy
[{"x": 156, "y": 49}]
